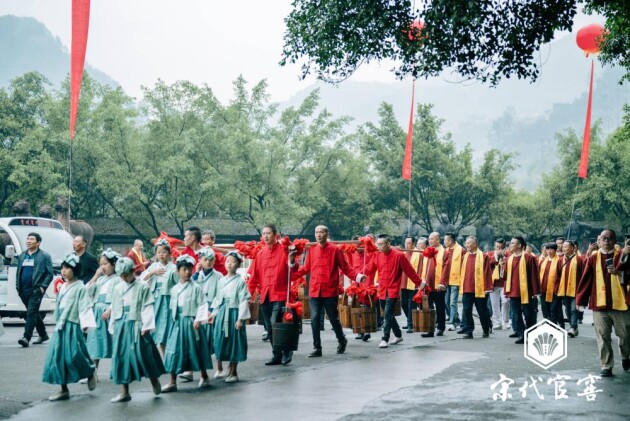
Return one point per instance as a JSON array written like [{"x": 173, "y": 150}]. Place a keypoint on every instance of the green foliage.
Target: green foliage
[
  {"x": 616, "y": 45},
  {"x": 483, "y": 39},
  {"x": 181, "y": 154},
  {"x": 443, "y": 179}
]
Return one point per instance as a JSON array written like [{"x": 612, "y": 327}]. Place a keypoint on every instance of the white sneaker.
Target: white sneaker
[
  {"x": 383, "y": 344},
  {"x": 506, "y": 326},
  {"x": 497, "y": 327},
  {"x": 231, "y": 379},
  {"x": 451, "y": 327},
  {"x": 395, "y": 341},
  {"x": 203, "y": 383}
]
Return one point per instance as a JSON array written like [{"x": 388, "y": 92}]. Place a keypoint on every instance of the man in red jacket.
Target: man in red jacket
[
  {"x": 390, "y": 264},
  {"x": 323, "y": 262},
  {"x": 269, "y": 274},
  {"x": 601, "y": 288},
  {"x": 522, "y": 286}
]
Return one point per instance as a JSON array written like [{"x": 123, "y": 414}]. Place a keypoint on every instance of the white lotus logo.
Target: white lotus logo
[{"x": 545, "y": 344}]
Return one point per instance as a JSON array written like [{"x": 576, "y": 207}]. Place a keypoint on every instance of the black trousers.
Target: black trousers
[
  {"x": 272, "y": 313},
  {"x": 317, "y": 307},
  {"x": 436, "y": 301},
  {"x": 468, "y": 323},
  {"x": 407, "y": 304},
  {"x": 528, "y": 311},
  {"x": 389, "y": 322},
  {"x": 32, "y": 301}
]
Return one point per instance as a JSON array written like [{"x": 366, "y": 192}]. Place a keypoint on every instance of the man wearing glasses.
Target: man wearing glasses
[{"x": 602, "y": 289}]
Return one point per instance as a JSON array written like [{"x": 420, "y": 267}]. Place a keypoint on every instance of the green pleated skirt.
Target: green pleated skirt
[
  {"x": 67, "y": 360},
  {"x": 163, "y": 319},
  {"x": 99, "y": 340},
  {"x": 234, "y": 347},
  {"x": 186, "y": 348},
  {"x": 134, "y": 356}
]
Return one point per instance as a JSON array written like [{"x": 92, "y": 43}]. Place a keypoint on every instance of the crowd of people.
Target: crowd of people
[{"x": 158, "y": 316}]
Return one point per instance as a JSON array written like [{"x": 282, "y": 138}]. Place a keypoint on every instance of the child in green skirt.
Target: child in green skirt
[
  {"x": 100, "y": 287},
  {"x": 132, "y": 319},
  {"x": 162, "y": 276},
  {"x": 67, "y": 360},
  {"x": 187, "y": 344},
  {"x": 229, "y": 315},
  {"x": 208, "y": 279}
]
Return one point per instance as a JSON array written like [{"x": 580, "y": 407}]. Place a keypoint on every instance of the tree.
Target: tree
[
  {"x": 443, "y": 179},
  {"x": 485, "y": 40},
  {"x": 28, "y": 167}
]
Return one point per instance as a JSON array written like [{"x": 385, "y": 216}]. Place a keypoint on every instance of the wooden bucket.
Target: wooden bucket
[
  {"x": 423, "y": 320},
  {"x": 306, "y": 309},
  {"x": 254, "y": 310},
  {"x": 397, "y": 309},
  {"x": 344, "y": 309},
  {"x": 364, "y": 318}
]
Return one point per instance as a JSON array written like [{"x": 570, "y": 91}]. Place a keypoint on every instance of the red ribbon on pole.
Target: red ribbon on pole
[
  {"x": 406, "y": 168},
  {"x": 80, "y": 25},
  {"x": 587, "y": 130}
]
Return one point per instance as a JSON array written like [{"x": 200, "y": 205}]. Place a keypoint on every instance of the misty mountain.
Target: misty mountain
[
  {"x": 27, "y": 45},
  {"x": 517, "y": 116}
]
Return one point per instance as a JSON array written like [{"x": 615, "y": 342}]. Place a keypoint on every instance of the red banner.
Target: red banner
[
  {"x": 80, "y": 24},
  {"x": 406, "y": 167},
  {"x": 586, "y": 143}
]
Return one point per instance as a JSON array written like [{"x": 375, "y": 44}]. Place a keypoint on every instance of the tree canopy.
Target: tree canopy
[{"x": 485, "y": 40}]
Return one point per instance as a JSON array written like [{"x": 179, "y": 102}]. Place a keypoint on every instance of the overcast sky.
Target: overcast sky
[{"x": 204, "y": 41}]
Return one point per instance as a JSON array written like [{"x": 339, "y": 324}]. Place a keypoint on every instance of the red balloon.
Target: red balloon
[
  {"x": 587, "y": 38},
  {"x": 415, "y": 30}
]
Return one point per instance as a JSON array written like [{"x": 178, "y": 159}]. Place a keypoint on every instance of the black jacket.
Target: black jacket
[
  {"x": 89, "y": 265},
  {"x": 42, "y": 270}
]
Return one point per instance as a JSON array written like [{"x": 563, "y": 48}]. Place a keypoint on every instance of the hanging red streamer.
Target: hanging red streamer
[
  {"x": 586, "y": 143},
  {"x": 80, "y": 25},
  {"x": 406, "y": 168}
]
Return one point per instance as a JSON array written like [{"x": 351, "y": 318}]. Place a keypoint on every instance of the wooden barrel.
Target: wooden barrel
[
  {"x": 306, "y": 309},
  {"x": 345, "y": 316},
  {"x": 363, "y": 319},
  {"x": 254, "y": 310},
  {"x": 423, "y": 320}
]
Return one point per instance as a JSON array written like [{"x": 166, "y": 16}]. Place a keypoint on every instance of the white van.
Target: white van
[{"x": 13, "y": 232}]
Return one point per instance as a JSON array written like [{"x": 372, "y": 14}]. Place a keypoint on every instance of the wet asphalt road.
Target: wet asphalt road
[{"x": 439, "y": 378}]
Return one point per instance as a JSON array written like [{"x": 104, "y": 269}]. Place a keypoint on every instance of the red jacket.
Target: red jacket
[
  {"x": 587, "y": 293},
  {"x": 467, "y": 284},
  {"x": 533, "y": 278},
  {"x": 138, "y": 265},
  {"x": 324, "y": 264},
  {"x": 270, "y": 274},
  {"x": 492, "y": 256},
  {"x": 219, "y": 263},
  {"x": 359, "y": 262},
  {"x": 390, "y": 267}
]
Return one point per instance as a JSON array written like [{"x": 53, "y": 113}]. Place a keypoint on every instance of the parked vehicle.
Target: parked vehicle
[{"x": 13, "y": 232}]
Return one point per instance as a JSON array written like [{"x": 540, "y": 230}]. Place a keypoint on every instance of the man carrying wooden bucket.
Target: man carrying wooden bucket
[
  {"x": 323, "y": 262},
  {"x": 390, "y": 264}
]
